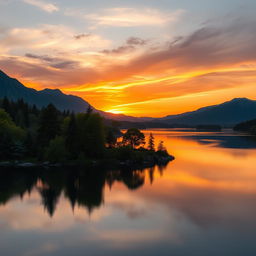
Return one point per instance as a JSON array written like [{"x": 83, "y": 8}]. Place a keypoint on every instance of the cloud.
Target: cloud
[
  {"x": 54, "y": 62},
  {"x": 207, "y": 47},
  {"x": 209, "y": 59},
  {"x": 41, "y": 76},
  {"x": 82, "y": 36},
  {"x": 131, "y": 17},
  {"x": 136, "y": 41},
  {"x": 131, "y": 44},
  {"x": 47, "y": 7},
  {"x": 46, "y": 38},
  {"x": 120, "y": 50}
]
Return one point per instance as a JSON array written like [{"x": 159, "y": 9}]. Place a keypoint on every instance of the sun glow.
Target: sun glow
[{"x": 114, "y": 111}]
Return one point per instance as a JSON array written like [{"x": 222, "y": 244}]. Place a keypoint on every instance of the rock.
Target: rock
[{"x": 26, "y": 165}]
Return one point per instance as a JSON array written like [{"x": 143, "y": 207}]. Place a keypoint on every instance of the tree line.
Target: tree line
[
  {"x": 47, "y": 134},
  {"x": 247, "y": 127}
]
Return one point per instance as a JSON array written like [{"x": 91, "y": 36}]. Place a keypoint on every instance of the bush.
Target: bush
[
  {"x": 56, "y": 151},
  {"x": 124, "y": 153}
]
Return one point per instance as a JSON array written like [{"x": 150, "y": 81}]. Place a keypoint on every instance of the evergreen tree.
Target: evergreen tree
[
  {"x": 89, "y": 110},
  {"x": 161, "y": 146},
  {"x": 56, "y": 151},
  {"x": 49, "y": 125},
  {"x": 6, "y": 104},
  {"x": 151, "y": 142},
  {"x": 110, "y": 138},
  {"x": 161, "y": 149},
  {"x": 11, "y": 137},
  {"x": 95, "y": 136},
  {"x": 71, "y": 136}
]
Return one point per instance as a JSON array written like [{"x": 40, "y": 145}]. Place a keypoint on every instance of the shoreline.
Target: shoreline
[{"x": 146, "y": 163}]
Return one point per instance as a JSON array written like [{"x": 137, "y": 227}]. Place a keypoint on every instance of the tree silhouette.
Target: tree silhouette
[
  {"x": 151, "y": 142},
  {"x": 134, "y": 138},
  {"x": 110, "y": 138},
  {"x": 49, "y": 125},
  {"x": 71, "y": 136},
  {"x": 161, "y": 146}
]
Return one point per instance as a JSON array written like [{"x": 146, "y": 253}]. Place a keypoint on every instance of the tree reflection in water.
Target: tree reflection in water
[{"x": 80, "y": 187}]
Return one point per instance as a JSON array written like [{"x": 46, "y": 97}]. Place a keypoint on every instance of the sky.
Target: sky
[{"x": 140, "y": 58}]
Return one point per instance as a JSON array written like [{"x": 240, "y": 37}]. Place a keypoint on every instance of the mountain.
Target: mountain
[
  {"x": 227, "y": 114},
  {"x": 14, "y": 90}
]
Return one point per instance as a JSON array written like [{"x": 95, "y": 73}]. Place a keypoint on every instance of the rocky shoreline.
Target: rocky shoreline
[{"x": 147, "y": 162}]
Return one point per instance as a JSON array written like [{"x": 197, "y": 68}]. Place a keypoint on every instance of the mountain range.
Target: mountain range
[
  {"x": 226, "y": 114},
  {"x": 14, "y": 90}
]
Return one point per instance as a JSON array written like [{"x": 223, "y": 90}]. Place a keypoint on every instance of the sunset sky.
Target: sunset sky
[{"x": 141, "y": 58}]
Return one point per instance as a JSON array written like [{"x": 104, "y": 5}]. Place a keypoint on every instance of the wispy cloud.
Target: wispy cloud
[
  {"x": 45, "y": 38},
  {"x": 131, "y": 17},
  {"x": 212, "y": 58},
  {"x": 57, "y": 63},
  {"x": 47, "y": 7}
]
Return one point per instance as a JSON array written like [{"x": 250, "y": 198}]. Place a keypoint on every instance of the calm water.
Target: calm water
[{"x": 203, "y": 203}]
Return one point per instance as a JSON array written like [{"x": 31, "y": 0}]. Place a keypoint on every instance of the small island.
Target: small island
[
  {"x": 30, "y": 137},
  {"x": 248, "y": 127},
  {"x": 209, "y": 128}
]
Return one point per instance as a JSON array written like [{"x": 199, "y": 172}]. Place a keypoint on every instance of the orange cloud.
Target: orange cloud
[{"x": 144, "y": 78}]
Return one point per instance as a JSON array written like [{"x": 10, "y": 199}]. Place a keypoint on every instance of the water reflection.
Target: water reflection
[
  {"x": 203, "y": 203},
  {"x": 225, "y": 140},
  {"x": 80, "y": 187}
]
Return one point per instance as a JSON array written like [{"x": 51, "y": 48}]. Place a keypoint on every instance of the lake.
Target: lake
[{"x": 203, "y": 203}]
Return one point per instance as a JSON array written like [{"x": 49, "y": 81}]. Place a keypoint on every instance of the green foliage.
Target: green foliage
[
  {"x": 48, "y": 134},
  {"x": 122, "y": 153},
  {"x": 11, "y": 137},
  {"x": 90, "y": 131},
  {"x": 56, "y": 151},
  {"x": 248, "y": 127},
  {"x": 71, "y": 135},
  {"x": 111, "y": 138},
  {"x": 9, "y": 129},
  {"x": 49, "y": 125},
  {"x": 65, "y": 125},
  {"x": 133, "y": 138},
  {"x": 95, "y": 136}
]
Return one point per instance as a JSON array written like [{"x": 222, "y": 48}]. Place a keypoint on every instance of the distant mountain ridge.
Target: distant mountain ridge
[
  {"x": 14, "y": 90},
  {"x": 228, "y": 113}
]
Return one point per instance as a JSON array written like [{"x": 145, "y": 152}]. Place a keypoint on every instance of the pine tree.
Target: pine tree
[
  {"x": 161, "y": 146},
  {"x": 6, "y": 104},
  {"x": 110, "y": 138},
  {"x": 151, "y": 142},
  {"x": 71, "y": 136},
  {"x": 49, "y": 126},
  {"x": 161, "y": 149},
  {"x": 89, "y": 110}
]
